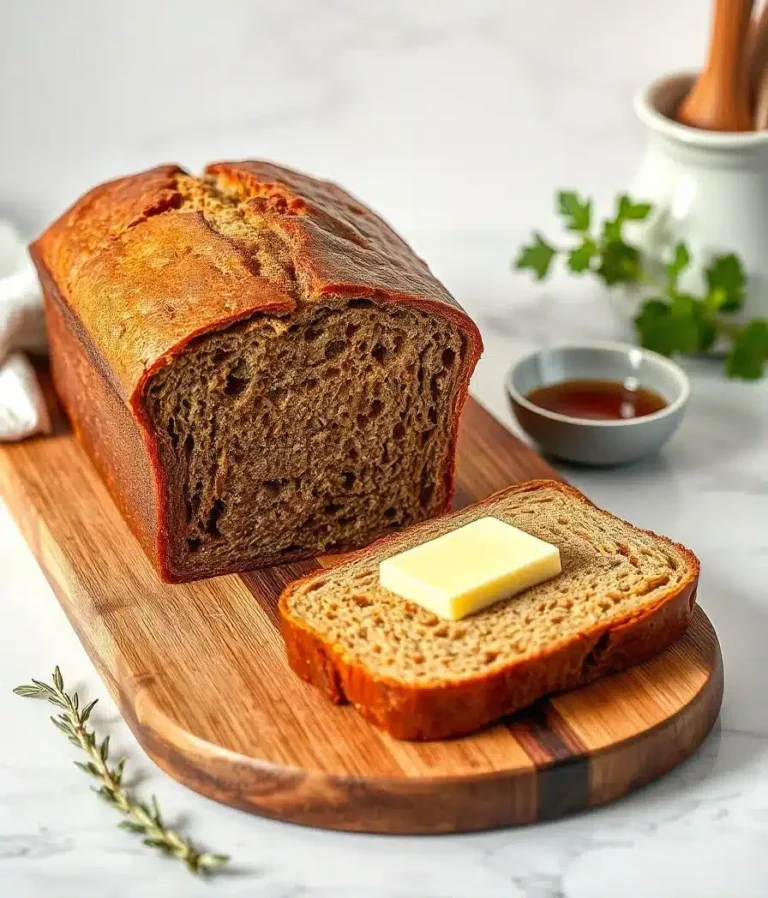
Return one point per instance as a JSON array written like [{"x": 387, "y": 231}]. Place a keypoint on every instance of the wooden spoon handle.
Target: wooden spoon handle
[
  {"x": 760, "y": 121},
  {"x": 757, "y": 46},
  {"x": 720, "y": 98},
  {"x": 757, "y": 61},
  {"x": 730, "y": 24}
]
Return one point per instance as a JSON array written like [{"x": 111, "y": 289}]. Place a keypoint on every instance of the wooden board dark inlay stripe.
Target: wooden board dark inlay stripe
[
  {"x": 278, "y": 748},
  {"x": 560, "y": 757}
]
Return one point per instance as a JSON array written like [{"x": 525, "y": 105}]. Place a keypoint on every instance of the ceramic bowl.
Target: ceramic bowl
[{"x": 591, "y": 442}]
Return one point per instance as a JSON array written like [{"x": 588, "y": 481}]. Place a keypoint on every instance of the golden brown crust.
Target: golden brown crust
[
  {"x": 338, "y": 246},
  {"x": 442, "y": 710},
  {"x": 134, "y": 272},
  {"x": 134, "y": 267}
]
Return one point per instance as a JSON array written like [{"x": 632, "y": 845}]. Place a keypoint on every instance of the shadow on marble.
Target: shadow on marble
[
  {"x": 651, "y": 466},
  {"x": 740, "y": 619},
  {"x": 25, "y": 220},
  {"x": 715, "y": 425}
]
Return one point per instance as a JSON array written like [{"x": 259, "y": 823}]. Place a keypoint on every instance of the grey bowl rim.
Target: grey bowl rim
[{"x": 602, "y": 346}]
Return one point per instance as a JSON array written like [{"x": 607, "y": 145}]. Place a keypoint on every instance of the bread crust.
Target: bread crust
[
  {"x": 437, "y": 711},
  {"x": 130, "y": 279}
]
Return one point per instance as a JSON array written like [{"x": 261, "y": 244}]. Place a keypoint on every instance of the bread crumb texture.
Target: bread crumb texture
[
  {"x": 308, "y": 433},
  {"x": 299, "y": 369},
  {"x": 610, "y": 571}
]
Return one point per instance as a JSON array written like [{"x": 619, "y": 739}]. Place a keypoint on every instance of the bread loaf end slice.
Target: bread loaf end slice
[{"x": 623, "y": 596}]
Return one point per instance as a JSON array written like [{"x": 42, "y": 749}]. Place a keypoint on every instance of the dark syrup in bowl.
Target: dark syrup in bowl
[{"x": 598, "y": 400}]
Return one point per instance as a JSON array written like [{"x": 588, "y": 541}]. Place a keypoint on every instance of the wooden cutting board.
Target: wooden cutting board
[{"x": 199, "y": 673}]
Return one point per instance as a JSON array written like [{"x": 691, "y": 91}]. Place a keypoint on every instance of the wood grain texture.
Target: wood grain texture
[{"x": 199, "y": 672}]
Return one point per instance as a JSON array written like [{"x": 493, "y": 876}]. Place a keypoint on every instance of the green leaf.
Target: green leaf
[
  {"x": 157, "y": 843},
  {"x": 30, "y": 691},
  {"x": 611, "y": 232},
  {"x": 156, "y": 815},
  {"x": 749, "y": 352},
  {"x": 131, "y": 826},
  {"x": 680, "y": 325},
  {"x": 726, "y": 281},
  {"x": 656, "y": 327},
  {"x": 106, "y": 793},
  {"x": 677, "y": 265},
  {"x": 579, "y": 258},
  {"x": 576, "y": 211},
  {"x": 58, "y": 680},
  {"x": 619, "y": 263},
  {"x": 537, "y": 257},
  {"x": 210, "y": 861},
  {"x": 89, "y": 768},
  {"x": 628, "y": 210},
  {"x": 695, "y": 331},
  {"x": 86, "y": 712},
  {"x": 142, "y": 812},
  {"x": 104, "y": 750},
  {"x": 62, "y": 725},
  {"x": 117, "y": 773}
]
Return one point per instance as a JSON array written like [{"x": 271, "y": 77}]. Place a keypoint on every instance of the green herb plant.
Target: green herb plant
[
  {"x": 670, "y": 320},
  {"x": 143, "y": 819}
]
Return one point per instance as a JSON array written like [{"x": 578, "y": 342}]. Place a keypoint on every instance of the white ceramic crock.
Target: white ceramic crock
[{"x": 708, "y": 189}]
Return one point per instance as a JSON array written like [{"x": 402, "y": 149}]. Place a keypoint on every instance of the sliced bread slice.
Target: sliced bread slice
[{"x": 624, "y": 595}]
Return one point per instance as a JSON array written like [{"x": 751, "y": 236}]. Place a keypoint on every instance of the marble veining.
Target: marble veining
[{"x": 457, "y": 120}]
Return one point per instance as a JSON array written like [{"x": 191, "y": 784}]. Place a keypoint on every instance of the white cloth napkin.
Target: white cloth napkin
[{"x": 22, "y": 327}]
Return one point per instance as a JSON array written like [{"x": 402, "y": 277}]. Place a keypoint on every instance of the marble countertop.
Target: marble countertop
[{"x": 457, "y": 120}]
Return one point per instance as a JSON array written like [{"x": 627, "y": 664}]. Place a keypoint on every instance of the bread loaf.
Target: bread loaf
[
  {"x": 623, "y": 595},
  {"x": 257, "y": 365}
]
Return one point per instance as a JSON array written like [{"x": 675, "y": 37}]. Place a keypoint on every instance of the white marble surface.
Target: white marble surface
[{"x": 457, "y": 120}]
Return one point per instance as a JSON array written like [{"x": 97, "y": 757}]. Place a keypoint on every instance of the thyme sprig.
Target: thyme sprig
[{"x": 145, "y": 820}]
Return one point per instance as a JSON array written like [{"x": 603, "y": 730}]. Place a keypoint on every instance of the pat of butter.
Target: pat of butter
[{"x": 470, "y": 568}]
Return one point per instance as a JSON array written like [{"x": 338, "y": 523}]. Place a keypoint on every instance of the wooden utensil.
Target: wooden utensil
[
  {"x": 757, "y": 65},
  {"x": 720, "y": 97},
  {"x": 760, "y": 118},
  {"x": 199, "y": 672}
]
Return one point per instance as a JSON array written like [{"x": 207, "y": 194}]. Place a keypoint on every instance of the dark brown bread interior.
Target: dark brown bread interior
[
  {"x": 310, "y": 437},
  {"x": 258, "y": 366}
]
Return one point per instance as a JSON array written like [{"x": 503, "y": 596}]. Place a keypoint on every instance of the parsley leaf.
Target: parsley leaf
[
  {"x": 700, "y": 331},
  {"x": 619, "y": 263},
  {"x": 576, "y": 212},
  {"x": 679, "y": 326},
  {"x": 662, "y": 331},
  {"x": 580, "y": 257},
  {"x": 612, "y": 230},
  {"x": 677, "y": 265},
  {"x": 537, "y": 257},
  {"x": 626, "y": 210},
  {"x": 725, "y": 284},
  {"x": 630, "y": 211},
  {"x": 672, "y": 321},
  {"x": 749, "y": 352}
]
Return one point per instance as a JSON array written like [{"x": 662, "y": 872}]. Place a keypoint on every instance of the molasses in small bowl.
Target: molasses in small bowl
[{"x": 598, "y": 403}]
